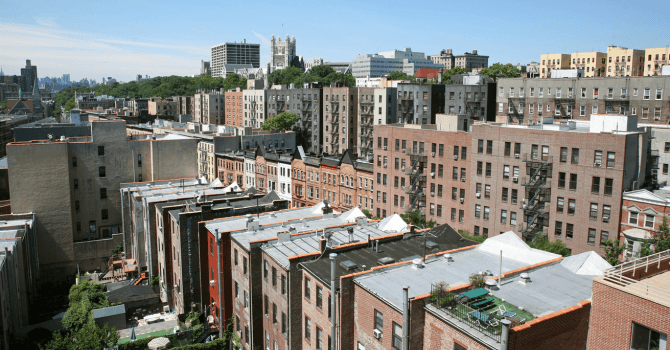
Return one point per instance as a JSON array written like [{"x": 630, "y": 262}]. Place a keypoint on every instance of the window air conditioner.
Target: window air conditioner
[
  {"x": 515, "y": 179},
  {"x": 462, "y": 200},
  {"x": 403, "y": 168},
  {"x": 462, "y": 179},
  {"x": 597, "y": 164},
  {"x": 377, "y": 333},
  {"x": 479, "y": 195},
  {"x": 432, "y": 174},
  {"x": 432, "y": 154},
  {"x": 516, "y": 155},
  {"x": 385, "y": 148},
  {"x": 432, "y": 194},
  {"x": 606, "y": 218},
  {"x": 403, "y": 150},
  {"x": 455, "y": 157}
]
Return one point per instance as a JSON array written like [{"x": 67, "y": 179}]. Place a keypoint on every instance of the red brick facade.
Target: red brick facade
[{"x": 234, "y": 108}]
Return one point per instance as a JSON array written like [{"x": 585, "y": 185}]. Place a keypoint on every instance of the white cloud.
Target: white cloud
[{"x": 56, "y": 51}]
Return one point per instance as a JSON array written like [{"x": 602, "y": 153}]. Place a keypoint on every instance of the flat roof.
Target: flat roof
[
  {"x": 387, "y": 283},
  {"x": 239, "y": 202},
  {"x": 444, "y": 236}
]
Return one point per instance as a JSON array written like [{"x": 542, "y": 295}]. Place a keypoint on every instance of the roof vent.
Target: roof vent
[
  {"x": 431, "y": 245},
  {"x": 362, "y": 221},
  {"x": 417, "y": 264},
  {"x": 348, "y": 265},
  {"x": 350, "y": 230},
  {"x": 524, "y": 278},
  {"x": 448, "y": 257},
  {"x": 292, "y": 229},
  {"x": 252, "y": 225},
  {"x": 490, "y": 284},
  {"x": 386, "y": 260}
]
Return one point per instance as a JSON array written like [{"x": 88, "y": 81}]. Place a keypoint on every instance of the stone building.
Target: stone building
[
  {"x": 209, "y": 107},
  {"x": 340, "y": 118},
  {"x": 282, "y": 53},
  {"x": 75, "y": 194},
  {"x": 255, "y": 107},
  {"x": 468, "y": 60},
  {"x": 307, "y": 103}
]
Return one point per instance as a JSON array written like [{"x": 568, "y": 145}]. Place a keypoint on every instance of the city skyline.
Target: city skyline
[{"x": 93, "y": 46}]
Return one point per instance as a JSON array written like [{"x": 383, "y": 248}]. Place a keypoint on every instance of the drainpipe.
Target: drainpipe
[
  {"x": 332, "y": 256},
  {"x": 218, "y": 264},
  {"x": 405, "y": 318},
  {"x": 504, "y": 336}
]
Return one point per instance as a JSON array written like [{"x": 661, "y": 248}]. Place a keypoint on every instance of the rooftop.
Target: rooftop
[
  {"x": 635, "y": 278},
  {"x": 444, "y": 237},
  {"x": 239, "y": 200},
  {"x": 599, "y": 123}
]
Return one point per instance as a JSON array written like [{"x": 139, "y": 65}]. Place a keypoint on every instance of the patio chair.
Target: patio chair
[
  {"x": 482, "y": 320},
  {"x": 503, "y": 313}
]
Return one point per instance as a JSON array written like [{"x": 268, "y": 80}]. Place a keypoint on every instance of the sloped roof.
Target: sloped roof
[
  {"x": 587, "y": 263},
  {"x": 352, "y": 215},
  {"x": 509, "y": 242},
  {"x": 392, "y": 223}
]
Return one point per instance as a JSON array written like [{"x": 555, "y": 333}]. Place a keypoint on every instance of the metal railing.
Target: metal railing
[
  {"x": 461, "y": 311},
  {"x": 616, "y": 276}
]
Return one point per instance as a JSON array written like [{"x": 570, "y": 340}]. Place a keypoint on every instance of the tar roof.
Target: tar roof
[
  {"x": 309, "y": 243},
  {"x": 240, "y": 223},
  {"x": 240, "y": 201},
  {"x": 444, "y": 236},
  {"x": 387, "y": 283}
]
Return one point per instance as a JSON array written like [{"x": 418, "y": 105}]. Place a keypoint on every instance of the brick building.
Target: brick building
[
  {"x": 630, "y": 305},
  {"x": 366, "y": 121},
  {"x": 230, "y": 167},
  {"x": 307, "y": 103},
  {"x": 255, "y": 107},
  {"x": 340, "y": 118},
  {"x": 424, "y": 168},
  {"x": 527, "y": 100},
  {"x": 209, "y": 107},
  {"x": 642, "y": 214},
  {"x": 418, "y": 104},
  {"x": 166, "y": 108},
  {"x": 234, "y": 111},
  {"x": 546, "y": 295},
  {"x": 561, "y": 180}
]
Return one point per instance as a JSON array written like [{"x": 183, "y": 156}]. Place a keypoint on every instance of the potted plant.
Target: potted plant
[{"x": 441, "y": 295}]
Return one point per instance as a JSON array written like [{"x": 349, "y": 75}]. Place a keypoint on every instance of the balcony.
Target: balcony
[{"x": 641, "y": 277}]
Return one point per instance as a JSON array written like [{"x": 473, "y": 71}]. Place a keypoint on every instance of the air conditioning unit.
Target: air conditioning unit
[
  {"x": 595, "y": 97},
  {"x": 517, "y": 155},
  {"x": 432, "y": 174},
  {"x": 377, "y": 333},
  {"x": 403, "y": 150},
  {"x": 462, "y": 200},
  {"x": 606, "y": 218},
  {"x": 432, "y": 194},
  {"x": 597, "y": 164},
  {"x": 479, "y": 195},
  {"x": 462, "y": 179},
  {"x": 385, "y": 148},
  {"x": 432, "y": 154},
  {"x": 515, "y": 179},
  {"x": 524, "y": 207},
  {"x": 403, "y": 168},
  {"x": 455, "y": 157},
  {"x": 403, "y": 187}
]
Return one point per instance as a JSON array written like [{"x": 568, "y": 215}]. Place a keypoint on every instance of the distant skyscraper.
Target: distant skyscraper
[
  {"x": 28, "y": 76},
  {"x": 205, "y": 67},
  {"x": 235, "y": 53},
  {"x": 66, "y": 78}
]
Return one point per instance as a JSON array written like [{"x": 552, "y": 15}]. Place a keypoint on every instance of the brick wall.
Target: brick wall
[
  {"x": 275, "y": 296},
  {"x": 318, "y": 316},
  {"x": 438, "y": 335},
  {"x": 242, "y": 280},
  {"x": 365, "y": 305}
]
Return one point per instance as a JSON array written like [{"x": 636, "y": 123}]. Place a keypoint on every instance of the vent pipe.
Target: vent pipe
[
  {"x": 322, "y": 244},
  {"x": 405, "y": 318},
  {"x": 351, "y": 234},
  {"x": 504, "y": 336},
  {"x": 333, "y": 264}
]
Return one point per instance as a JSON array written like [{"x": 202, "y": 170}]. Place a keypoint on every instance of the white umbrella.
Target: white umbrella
[{"x": 159, "y": 343}]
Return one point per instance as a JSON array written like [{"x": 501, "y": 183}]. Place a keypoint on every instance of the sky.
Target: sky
[{"x": 94, "y": 39}]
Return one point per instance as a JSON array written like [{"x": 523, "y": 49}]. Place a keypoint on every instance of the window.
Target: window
[
  {"x": 105, "y": 214},
  {"x": 246, "y": 299},
  {"x": 645, "y": 96},
  {"x": 659, "y": 93},
  {"x": 283, "y": 284},
  {"x": 139, "y": 160},
  {"x": 514, "y": 196},
  {"x": 488, "y": 169},
  {"x": 644, "y": 338},
  {"x": 573, "y": 181},
  {"x": 593, "y": 215},
  {"x": 489, "y": 147},
  {"x": 265, "y": 269},
  {"x": 379, "y": 321},
  {"x": 479, "y": 168},
  {"x": 560, "y": 202},
  {"x": 569, "y": 230},
  {"x": 319, "y": 297},
  {"x": 575, "y": 156},
  {"x": 283, "y": 323},
  {"x": 487, "y": 191},
  {"x": 102, "y": 172},
  {"x": 582, "y": 110},
  {"x": 503, "y": 216},
  {"x": 486, "y": 213},
  {"x": 308, "y": 328},
  {"x": 632, "y": 217},
  {"x": 76, "y": 184},
  {"x": 558, "y": 229},
  {"x": 571, "y": 207},
  {"x": 74, "y": 162},
  {"x": 649, "y": 220},
  {"x": 592, "y": 236},
  {"x": 508, "y": 148},
  {"x": 609, "y": 183},
  {"x": 101, "y": 150},
  {"x": 266, "y": 305},
  {"x": 595, "y": 184},
  {"x": 505, "y": 192},
  {"x": 480, "y": 146},
  {"x": 319, "y": 338},
  {"x": 103, "y": 193},
  {"x": 610, "y": 159},
  {"x": 235, "y": 256},
  {"x": 464, "y": 153},
  {"x": 561, "y": 180},
  {"x": 506, "y": 172},
  {"x": 512, "y": 218},
  {"x": 244, "y": 265},
  {"x": 397, "y": 336},
  {"x": 564, "y": 154},
  {"x": 454, "y": 193},
  {"x": 478, "y": 210}
]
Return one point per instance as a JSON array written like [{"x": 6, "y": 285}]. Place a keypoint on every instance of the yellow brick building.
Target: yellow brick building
[
  {"x": 622, "y": 61},
  {"x": 656, "y": 58},
  {"x": 593, "y": 63},
  {"x": 549, "y": 62}
]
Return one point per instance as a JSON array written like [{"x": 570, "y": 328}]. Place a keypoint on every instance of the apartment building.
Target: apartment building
[
  {"x": 234, "y": 111},
  {"x": 340, "y": 118},
  {"x": 424, "y": 168},
  {"x": 255, "y": 107},
  {"x": 471, "y": 61},
  {"x": 230, "y": 167},
  {"x": 18, "y": 274},
  {"x": 80, "y": 217},
  {"x": 562, "y": 180},
  {"x": 206, "y": 160},
  {"x": 167, "y": 108},
  {"x": 549, "y": 62},
  {"x": 234, "y": 53},
  {"x": 660, "y": 152},
  {"x": 418, "y": 104},
  {"x": 384, "y": 63},
  {"x": 366, "y": 121},
  {"x": 472, "y": 100},
  {"x": 656, "y": 58},
  {"x": 284, "y": 185},
  {"x": 185, "y": 105},
  {"x": 307, "y": 103},
  {"x": 642, "y": 215},
  {"x": 630, "y": 304},
  {"x": 209, "y": 107},
  {"x": 622, "y": 61},
  {"x": 386, "y": 104},
  {"x": 527, "y": 100},
  {"x": 249, "y": 168},
  {"x": 592, "y": 63},
  {"x": 545, "y": 295}
]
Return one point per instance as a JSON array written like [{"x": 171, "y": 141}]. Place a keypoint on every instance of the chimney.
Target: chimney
[
  {"x": 350, "y": 230},
  {"x": 327, "y": 210},
  {"x": 412, "y": 229},
  {"x": 284, "y": 236},
  {"x": 322, "y": 244},
  {"x": 252, "y": 225}
]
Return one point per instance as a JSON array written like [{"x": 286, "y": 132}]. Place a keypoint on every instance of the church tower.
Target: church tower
[{"x": 282, "y": 53}]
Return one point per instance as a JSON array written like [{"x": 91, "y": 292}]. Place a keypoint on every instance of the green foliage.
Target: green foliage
[
  {"x": 612, "y": 251},
  {"x": 660, "y": 241},
  {"x": 322, "y": 71},
  {"x": 284, "y": 76},
  {"x": 441, "y": 294},
  {"x": 556, "y": 247},
  {"x": 446, "y": 76},
  {"x": 498, "y": 70},
  {"x": 347, "y": 79},
  {"x": 89, "y": 291},
  {"x": 155, "y": 280},
  {"x": 323, "y": 74},
  {"x": 367, "y": 213},
  {"x": 118, "y": 249},
  {"x": 476, "y": 281},
  {"x": 402, "y": 76},
  {"x": 467, "y": 235},
  {"x": 281, "y": 122},
  {"x": 3, "y": 104},
  {"x": 418, "y": 219}
]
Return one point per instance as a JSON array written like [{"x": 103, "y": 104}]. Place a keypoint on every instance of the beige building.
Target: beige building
[
  {"x": 592, "y": 63},
  {"x": 163, "y": 107},
  {"x": 255, "y": 103},
  {"x": 206, "y": 160},
  {"x": 72, "y": 186},
  {"x": 549, "y": 62},
  {"x": 208, "y": 108},
  {"x": 622, "y": 61},
  {"x": 656, "y": 58}
]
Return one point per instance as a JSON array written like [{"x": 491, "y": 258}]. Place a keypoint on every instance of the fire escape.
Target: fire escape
[
  {"x": 406, "y": 107},
  {"x": 417, "y": 181},
  {"x": 366, "y": 127},
  {"x": 538, "y": 196},
  {"x": 473, "y": 108},
  {"x": 252, "y": 113},
  {"x": 306, "y": 118},
  {"x": 516, "y": 106},
  {"x": 334, "y": 126},
  {"x": 565, "y": 103},
  {"x": 620, "y": 100}
]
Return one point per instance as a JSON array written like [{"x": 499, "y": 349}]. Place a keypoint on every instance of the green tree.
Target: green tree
[
  {"x": 466, "y": 235},
  {"x": 446, "y": 75},
  {"x": 322, "y": 71},
  {"x": 659, "y": 241},
  {"x": 284, "y": 76},
  {"x": 418, "y": 219},
  {"x": 3, "y": 104},
  {"x": 76, "y": 316},
  {"x": 367, "y": 213},
  {"x": 556, "y": 247},
  {"x": 613, "y": 250},
  {"x": 402, "y": 76},
  {"x": 500, "y": 71},
  {"x": 281, "y": 122},
  {"x": 347, "y": 79}
]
